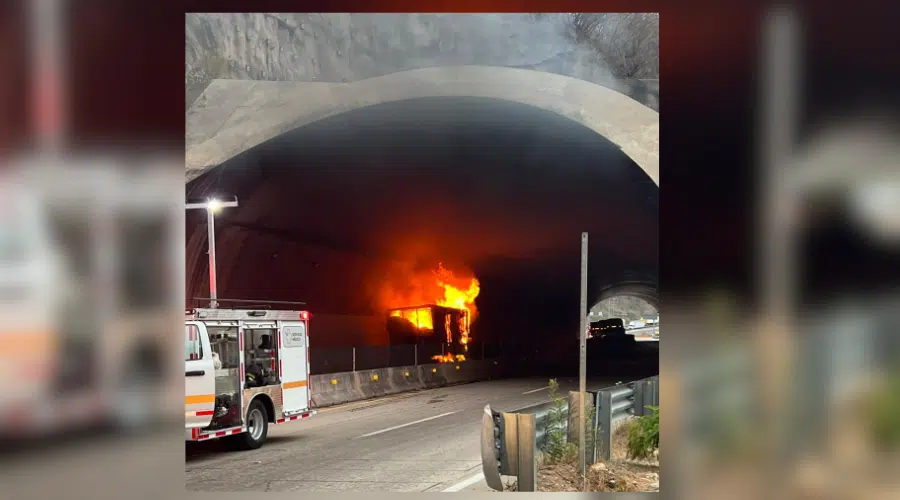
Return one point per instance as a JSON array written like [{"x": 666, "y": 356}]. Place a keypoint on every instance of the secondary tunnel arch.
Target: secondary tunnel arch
[
  {"x": 502, "y": 174},
  {"x": 647, "y": 290}
]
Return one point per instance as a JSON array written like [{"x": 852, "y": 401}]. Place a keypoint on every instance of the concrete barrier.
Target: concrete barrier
[
  {"x": 431, "y": 376},
  {"x": 403, "y": 380},
  {"x": 455, "y": 373},
  {"x": 333, "y": 388},
  {"x": 337, "y": 388}
]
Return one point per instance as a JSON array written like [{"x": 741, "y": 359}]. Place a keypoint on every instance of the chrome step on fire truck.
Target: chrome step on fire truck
[{"x": 244, "y": 370}]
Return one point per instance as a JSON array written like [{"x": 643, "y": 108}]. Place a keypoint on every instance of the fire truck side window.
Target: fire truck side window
[
  {"x": 193, "y": 346},
  {"x": 260, "y": 355},
  {"x": 70, "y": 230},
  {"x": 224, "y": 343},
  {"x": 143, "y": 274}
]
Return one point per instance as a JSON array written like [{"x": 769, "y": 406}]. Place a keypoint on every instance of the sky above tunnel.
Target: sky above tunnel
[{"x": 492, "y": 186}]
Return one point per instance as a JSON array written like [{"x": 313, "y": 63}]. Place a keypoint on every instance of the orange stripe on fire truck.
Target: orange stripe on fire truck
[
  {"x": 27, "y": 343},
  {"x": 294, "y": 385},
  {"x": 200, "y": 399}
]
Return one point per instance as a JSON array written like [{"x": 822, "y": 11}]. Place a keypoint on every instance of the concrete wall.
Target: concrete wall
[{"x": 336, "y": 388}]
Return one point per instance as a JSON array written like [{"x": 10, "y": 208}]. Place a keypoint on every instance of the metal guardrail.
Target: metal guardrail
[
  {"x": 511, "y": 442},
  {"x": 542, "y": 420}
]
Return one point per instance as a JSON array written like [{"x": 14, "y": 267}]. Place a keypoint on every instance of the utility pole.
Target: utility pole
[
  {"x": 582, "y": 362},
  {"x": 212, "y": 206},
  {"x": 781, "y": 203}
]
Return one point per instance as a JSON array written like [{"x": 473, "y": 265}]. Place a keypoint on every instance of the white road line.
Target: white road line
[
  {"x": 536, "y": 390},
  {"x": 408, "y": 424},
  {"x": 465, "y": 483}
]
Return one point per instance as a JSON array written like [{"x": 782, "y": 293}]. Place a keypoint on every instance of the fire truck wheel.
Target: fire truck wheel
[{"x": 257, "y": 428}]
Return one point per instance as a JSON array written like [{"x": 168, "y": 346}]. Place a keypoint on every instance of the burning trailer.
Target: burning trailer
[{"x": 431, "y": 325}]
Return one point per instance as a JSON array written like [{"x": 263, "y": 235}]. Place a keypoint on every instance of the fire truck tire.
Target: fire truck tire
[{"x": 257, "y": 428}]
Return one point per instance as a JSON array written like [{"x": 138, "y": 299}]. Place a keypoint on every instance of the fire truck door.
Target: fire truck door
[
  {"x": 294, "y": 366},
  {"x": 199, "y": 377}
]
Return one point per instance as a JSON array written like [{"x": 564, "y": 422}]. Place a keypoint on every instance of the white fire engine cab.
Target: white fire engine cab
[
  {"x": 89, "y": 277},
  {"x": 244, "y": 369}
]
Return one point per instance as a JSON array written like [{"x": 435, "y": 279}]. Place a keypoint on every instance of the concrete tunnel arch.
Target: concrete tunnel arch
[
  {"x": 647, "y": 291},
  {"x": 232, "y": 116}
]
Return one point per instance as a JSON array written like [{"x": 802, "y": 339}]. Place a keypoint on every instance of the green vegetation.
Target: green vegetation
[
  {"x": 643, "y": 435},
  {"x": 885, "y": 415},
  {"x": 557, "y": 448}
]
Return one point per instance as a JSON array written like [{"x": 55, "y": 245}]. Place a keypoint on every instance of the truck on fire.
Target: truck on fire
[
  {"x": 245, "y": 369},
  {"x": 445, "y": 328}
]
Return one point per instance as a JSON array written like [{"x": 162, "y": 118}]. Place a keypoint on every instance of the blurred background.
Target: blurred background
[{"x": 778, "y": 250}]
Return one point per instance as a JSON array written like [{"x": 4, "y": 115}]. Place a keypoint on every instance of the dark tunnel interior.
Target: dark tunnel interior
[{"x": 332, "y": 209}]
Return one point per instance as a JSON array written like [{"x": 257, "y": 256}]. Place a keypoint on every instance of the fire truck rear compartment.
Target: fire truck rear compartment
[{"x": 260, "y": 373}]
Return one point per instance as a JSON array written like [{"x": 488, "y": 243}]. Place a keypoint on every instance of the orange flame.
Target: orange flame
[
  {"x": 458, "y": 293},
  {"x": 449, "y": 358},
  {"x": 440, "y": 287},
  {"x": 421, "y": 317}
]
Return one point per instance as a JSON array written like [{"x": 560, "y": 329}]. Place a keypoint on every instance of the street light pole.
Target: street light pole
[
  {"x": 212, "y": 206},
  {"x": 50, "y": 105},
  {"x": 582, "y": 361},
  {"x": 211, "y": 239}
]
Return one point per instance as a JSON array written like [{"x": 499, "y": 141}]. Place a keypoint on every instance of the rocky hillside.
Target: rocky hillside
[
  {"x": 630, "y": 308},
  {"x": 610, "y": 49}
]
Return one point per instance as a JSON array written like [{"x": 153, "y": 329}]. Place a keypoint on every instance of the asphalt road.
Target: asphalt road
[
  {"x": 644, "y": 334},
  {"x": 422, "y": 441},
  {"x": 643, "y": 331}
]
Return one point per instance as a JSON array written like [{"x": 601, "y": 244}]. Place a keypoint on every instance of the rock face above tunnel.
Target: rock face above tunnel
[{"x": 341, "y": 48}]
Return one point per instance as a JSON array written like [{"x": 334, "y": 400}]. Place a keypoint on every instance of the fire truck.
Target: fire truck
[
  {"x": 244, "y": 370},
  {"x": 88, "y": 283}
]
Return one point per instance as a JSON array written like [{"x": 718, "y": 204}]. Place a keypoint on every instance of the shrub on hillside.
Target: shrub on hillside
[
  {"x": 643, "y": 435},
  {"x": 557, "y": 448}
]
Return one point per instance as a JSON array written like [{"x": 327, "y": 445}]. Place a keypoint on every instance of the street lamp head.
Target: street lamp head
[{"x": 214, "y": 205}]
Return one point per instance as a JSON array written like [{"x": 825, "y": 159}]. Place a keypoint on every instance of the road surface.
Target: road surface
[
  {"x": 422, "y": 441},
  {"x": 644, "y": 334}
]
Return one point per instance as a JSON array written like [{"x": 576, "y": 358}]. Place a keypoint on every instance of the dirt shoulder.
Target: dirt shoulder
[{"x": 619, "y": 474}]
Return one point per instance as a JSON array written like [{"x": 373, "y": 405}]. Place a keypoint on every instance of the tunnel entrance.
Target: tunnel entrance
[
  {"x": 331, "y": 210},
  {"x": 632, "y": 311}
]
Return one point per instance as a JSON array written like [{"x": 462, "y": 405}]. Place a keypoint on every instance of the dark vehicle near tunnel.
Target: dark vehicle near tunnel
[
  {"x": 609, "y": 338},
  {"x": 611, "y": 328},
  {"x": 612, "y": 350},
  {"x": 442, "y": 331}
]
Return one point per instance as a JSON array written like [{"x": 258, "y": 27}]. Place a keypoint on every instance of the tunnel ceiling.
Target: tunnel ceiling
[{"x": 485, "y": 183}]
